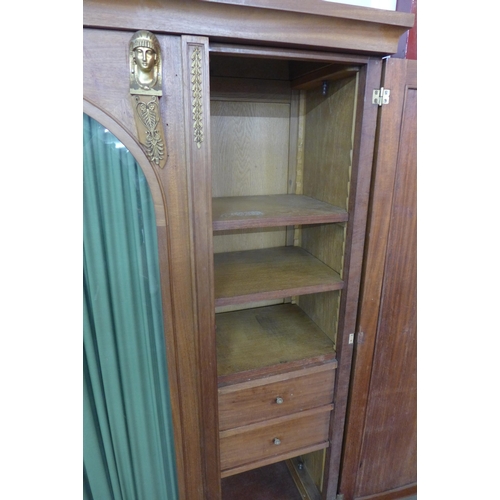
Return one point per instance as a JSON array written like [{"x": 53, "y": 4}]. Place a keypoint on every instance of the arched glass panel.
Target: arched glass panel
[{"x": 128, "y": 435}]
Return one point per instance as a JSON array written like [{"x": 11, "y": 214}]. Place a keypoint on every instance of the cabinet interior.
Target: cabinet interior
[
  {"x": 281, "y": 171},
  {"x": 282, "y": 146}
]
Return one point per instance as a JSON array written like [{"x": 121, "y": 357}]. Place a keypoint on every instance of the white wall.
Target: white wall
[{"x": 377, "y": 4}]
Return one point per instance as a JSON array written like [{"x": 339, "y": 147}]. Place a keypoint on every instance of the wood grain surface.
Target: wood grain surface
[
  {"x": 255, "y": 401},
  {"x": 252, "y": 339},
  {"x": 347, "y": 28},
  {"x": 275, "y": 210},
  {"x": 270, "y": 273},
  {"x": 382, "y": 406},
  {"x": 253, "y": 443}
]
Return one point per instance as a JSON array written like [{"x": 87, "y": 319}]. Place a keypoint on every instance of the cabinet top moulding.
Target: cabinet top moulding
[
  {"x": 224, "y": 49},
  {"x": 285, "y": 23},
  {"x": 322, "y": 8}
]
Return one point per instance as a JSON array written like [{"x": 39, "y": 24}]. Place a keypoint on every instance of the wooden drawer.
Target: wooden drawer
[
  {"x": 272, "y": 397},
  {"x": 253, "y": 445}
]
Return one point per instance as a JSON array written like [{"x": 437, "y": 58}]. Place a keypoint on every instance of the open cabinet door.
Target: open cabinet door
[{"x": 380, "y": 445}]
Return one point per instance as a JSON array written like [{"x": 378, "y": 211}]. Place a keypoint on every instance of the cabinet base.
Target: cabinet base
[
  {"x": 272, "y": 482},
  {"x": 302, "y": 479}
]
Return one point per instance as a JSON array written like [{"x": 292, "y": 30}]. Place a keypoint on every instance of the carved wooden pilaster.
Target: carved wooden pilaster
[{"x": 195, "y": 62}]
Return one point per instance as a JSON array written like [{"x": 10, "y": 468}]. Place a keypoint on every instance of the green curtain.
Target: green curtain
[{"x": 127, "y": 434}]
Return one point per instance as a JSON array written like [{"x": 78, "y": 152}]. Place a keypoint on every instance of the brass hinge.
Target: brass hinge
[{"x": 381, "y": 96}]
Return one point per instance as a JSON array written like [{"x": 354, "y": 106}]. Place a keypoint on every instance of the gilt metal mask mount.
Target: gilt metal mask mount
[
  {"x": 145, "y": 89},
  {"x": 145, "y": 64}
]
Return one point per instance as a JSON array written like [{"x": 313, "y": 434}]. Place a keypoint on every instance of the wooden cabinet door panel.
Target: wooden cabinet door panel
[{"x": 380, "y": 443}]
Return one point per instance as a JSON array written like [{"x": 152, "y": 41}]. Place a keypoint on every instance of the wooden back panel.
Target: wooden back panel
[{"x": 249, "y": 157}]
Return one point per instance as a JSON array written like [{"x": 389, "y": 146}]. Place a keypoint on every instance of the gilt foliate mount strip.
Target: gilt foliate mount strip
[
  {"x": 145, "y": 89},
  {"x": 149, "y": 114},
  {"x": 197, "y": 95}
]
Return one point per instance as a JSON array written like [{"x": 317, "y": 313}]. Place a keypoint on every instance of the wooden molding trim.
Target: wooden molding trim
[
  {"x": 132, "y": 144},
  {"x": 327, "y": 27},
  {"x": 329, "y": 9}
]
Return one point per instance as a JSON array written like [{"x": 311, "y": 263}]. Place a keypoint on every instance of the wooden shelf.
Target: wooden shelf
[
  {"x": 270, "y": 273},
  {"x": 329, "y": 73},
  {"x": 244, "y": 212},
  {"x": 253, "y": 343}
]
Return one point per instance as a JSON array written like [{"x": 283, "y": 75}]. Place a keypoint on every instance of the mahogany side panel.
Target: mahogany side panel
[
  {"x": 388, "y": 454},
  {"x": 411, "y": 52}
]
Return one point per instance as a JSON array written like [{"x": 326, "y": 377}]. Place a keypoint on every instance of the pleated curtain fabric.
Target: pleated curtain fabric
[{"x": 128, "y": 436}]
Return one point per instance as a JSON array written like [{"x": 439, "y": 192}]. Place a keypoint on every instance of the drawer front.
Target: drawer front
[
  {"x": 246, "y": 403},
  {"x": 257, "y": 442}
]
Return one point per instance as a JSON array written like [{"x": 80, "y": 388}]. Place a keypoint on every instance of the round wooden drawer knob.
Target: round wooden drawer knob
[{"x": 279, "y": 401}]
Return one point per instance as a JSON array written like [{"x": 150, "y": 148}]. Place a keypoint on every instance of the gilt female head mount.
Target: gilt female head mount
[{"x": 145, "y": 64}]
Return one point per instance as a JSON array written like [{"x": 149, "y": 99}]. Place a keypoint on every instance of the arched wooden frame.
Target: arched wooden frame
[
  {"x": 160, "y": 207},
  {"x": 137, "y": 152}
]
